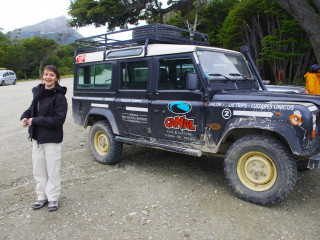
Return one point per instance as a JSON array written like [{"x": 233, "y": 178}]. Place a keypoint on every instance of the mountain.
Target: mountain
[{"x": 50, "y": 28}]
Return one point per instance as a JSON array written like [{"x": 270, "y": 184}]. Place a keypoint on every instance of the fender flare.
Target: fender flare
[
  {"x": 106, "y": 113},
  {"x": 282, "y": 128}
]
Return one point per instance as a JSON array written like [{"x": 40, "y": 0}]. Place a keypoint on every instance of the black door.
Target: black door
[
  {"x": 131, "y": 103},
  {"x": 176, "y": 112}
]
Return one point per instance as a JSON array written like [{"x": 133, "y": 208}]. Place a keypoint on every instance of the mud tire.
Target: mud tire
[{"x": 259, "y": 169}]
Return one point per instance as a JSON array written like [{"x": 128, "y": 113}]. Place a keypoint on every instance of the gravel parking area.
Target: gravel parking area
[{"x": 151, "y": 194}]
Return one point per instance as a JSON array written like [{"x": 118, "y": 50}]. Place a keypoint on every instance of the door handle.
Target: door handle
[
  {"x": 121, "y": 108},
  {"x": 159, "y": 111}
]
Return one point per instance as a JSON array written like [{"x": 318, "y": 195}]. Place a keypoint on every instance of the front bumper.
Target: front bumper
[{"x": 314, "y": 161}]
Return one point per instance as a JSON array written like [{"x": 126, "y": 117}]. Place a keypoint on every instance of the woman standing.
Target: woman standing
[
  {"x": 45, "y": 118},
  {"x": 313, "y": 80}
]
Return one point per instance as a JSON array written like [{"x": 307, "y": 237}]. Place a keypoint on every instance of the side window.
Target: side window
[
  {"x": 95, "y": 76},
  {"x": 173, "y": 73},
  {"x": 134, "y": 75}
]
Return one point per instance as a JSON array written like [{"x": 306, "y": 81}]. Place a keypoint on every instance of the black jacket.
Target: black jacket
[{"x": 48, "y": 110}]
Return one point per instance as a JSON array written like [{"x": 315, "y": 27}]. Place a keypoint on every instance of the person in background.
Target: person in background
[
  {"x": 313, "y": 80},
  {"x": 45, "y": 118}
]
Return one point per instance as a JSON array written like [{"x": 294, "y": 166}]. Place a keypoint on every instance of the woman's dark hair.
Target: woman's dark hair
[{"x": 54, "y": 69}]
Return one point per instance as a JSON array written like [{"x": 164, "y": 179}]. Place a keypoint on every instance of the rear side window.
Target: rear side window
[
  {"x": 95, "y": 76},
  {"x": 134, "y": 75}
]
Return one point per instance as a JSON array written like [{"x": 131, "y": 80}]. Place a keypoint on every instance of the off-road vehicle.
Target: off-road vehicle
[{"x": 166, "y": 88}]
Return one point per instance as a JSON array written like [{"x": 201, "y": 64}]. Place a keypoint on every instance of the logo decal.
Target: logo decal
[
  {"x": 226, "y": 113},
  {"x": 215, "y": 126},
  {"x": 180, "y": 122},
  {"x": 296, "y": 118},
  {"x": 179, "y": 107},
  {"x": 81, "y": 58}
]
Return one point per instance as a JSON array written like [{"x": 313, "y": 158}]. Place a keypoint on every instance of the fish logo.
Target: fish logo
[
  {"x": 296, "y": 118},
  {"x": 179, "y": 107}
]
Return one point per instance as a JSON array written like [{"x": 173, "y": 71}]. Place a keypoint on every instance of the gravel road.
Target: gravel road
[{"x": 151, "y": 194}]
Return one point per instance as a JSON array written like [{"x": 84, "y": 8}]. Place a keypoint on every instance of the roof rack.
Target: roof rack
[{"x": 142, "y": 35}]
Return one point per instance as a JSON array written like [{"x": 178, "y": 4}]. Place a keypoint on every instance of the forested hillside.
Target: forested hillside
[{"x": 28, "y": 56}]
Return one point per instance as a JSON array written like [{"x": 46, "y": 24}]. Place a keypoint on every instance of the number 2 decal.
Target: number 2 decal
[{"x": 226, "y": 113}]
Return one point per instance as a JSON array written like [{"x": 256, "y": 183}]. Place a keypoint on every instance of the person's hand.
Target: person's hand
[{"x": 24, "y": 122}]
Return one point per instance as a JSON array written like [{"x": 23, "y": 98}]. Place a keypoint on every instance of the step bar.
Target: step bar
[{"x": 187, "y": 151}]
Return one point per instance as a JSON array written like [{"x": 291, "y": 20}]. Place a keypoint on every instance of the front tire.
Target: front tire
[
  {"x": 259, "y": 169},
  {"x": 103, "y": 145}
]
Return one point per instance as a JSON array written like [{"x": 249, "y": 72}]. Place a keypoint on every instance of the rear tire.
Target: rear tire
[
  {"x": 103, "y": 145},
  {"x": 259, "y": 169}
]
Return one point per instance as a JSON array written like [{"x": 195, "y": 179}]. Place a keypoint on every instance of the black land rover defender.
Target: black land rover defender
[{"x": 163, "y": 87}]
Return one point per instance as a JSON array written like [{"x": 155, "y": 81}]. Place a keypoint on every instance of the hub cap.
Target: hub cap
[
  {"x": 256, "y": 171},
  {"x": 101, "y": 143}
]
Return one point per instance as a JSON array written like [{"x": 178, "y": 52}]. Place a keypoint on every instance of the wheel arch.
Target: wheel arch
[
  {"x": 97, "y": 114},
  {"x": 238, "y": 128}
]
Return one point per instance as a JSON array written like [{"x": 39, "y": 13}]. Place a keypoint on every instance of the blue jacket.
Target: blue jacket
[{"x": 49, "y": 110}]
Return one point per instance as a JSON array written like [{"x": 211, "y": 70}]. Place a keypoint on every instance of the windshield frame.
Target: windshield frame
[{"x": 234, "y": 73}]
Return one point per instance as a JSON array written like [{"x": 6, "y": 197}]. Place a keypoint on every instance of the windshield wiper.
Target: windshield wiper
[
  {"x": 219, "y": 75},
  {"x": 238, "y": 75}
]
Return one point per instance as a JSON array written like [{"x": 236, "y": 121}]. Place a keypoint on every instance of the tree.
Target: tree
[
  {"x": 307, "y": 15},
  {"x": 212, "y": 18},
  {"x": 114, "y": 13},
  {"x": 62, "y": 38},
  {"x": 190, "y": 18},
  {"x": 275, "y": 39},
  {"x": 42, "y": 49}
]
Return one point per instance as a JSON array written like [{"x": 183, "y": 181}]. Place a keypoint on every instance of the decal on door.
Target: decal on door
[
  {"x": 180, "y": 107},
  {"x": 180, "y": 122}
]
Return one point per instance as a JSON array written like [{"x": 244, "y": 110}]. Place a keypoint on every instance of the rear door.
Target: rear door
[
  {"x": 6, "y": 77},
  {"x": 11, "y": 77},
  {"x": 131, "y": 103},
  {"x": 176, "y": 112}
]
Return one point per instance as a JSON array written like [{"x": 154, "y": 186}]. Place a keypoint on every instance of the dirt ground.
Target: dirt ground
[{"x": 151, "y": 194}]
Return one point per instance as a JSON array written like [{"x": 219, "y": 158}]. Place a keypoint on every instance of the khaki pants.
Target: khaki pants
[{"x": 46, "y": 159}]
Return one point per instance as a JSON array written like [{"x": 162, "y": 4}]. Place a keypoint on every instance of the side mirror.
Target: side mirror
[{"x": 192, "y": 81}]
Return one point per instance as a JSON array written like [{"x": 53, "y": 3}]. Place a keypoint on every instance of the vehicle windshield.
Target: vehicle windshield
[
  {"x": 2, "y": 71},
  {"x": 223, "y": 65}
]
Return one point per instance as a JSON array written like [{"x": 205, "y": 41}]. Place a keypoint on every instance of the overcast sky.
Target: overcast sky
[{"x": 20, "y": 13}]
